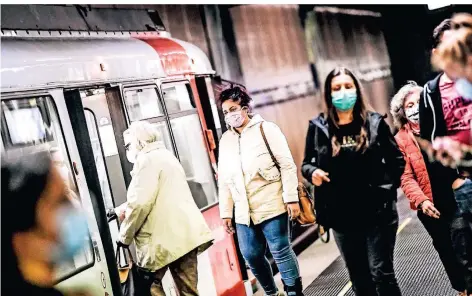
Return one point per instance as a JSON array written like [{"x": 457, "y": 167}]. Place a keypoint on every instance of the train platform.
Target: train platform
[{"x": 417, "y": 265}]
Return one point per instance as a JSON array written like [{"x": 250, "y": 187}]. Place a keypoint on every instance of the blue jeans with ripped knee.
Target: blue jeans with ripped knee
[{"x": 253, "y": 240}]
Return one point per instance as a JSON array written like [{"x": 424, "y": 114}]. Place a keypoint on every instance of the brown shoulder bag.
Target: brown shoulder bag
[{"x": 307, "y": 207}]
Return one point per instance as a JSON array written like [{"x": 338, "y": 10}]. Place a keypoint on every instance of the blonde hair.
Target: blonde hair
[
  {"x": 140, "y": 134},
  {"x": 456, "y": 49},
  {"x": 396, "y": 105}
]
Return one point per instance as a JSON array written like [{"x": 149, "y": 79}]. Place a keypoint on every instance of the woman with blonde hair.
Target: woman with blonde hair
[
  {"x": 160, "y": 215},
  {"x": 432, "y": 204},
  {"x": 454, "y": 55}
]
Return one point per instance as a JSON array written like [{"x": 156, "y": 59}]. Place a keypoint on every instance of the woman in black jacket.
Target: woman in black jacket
[{"x": 353, "y": 160}]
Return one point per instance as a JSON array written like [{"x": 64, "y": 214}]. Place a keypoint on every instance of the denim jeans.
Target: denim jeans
[
  {"x": 253, "y": 240},
  {"x": 368, "y": 254},
  {"x": 461, "y": 230},
  {"x": 463, "y": 197}
]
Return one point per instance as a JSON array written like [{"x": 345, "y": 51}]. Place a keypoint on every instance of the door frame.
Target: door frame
[{"x": 78, "y": 124}]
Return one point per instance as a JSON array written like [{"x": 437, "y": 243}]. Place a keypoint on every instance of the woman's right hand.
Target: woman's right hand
[
  {"x": 428, "y": 209},
  {"x": 121, "y": 211},
  {"x": 228, "y": 225},
  {"x": 319, "y": 176}
]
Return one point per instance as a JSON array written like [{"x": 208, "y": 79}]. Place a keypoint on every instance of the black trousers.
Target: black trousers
[
  {"x": 368, "y": 254},
  {"x": 440, "y": 232}
]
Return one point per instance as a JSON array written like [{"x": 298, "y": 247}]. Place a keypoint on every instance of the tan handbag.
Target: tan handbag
[{"x": 307, "y": 206}]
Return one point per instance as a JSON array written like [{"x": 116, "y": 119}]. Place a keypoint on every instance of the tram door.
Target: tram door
[
  {"x": 175, "y": 117},
  {"x": 35, "y": 123},
  {"x": 105, "y": 152},
  {"x": 173, "y": 112}
]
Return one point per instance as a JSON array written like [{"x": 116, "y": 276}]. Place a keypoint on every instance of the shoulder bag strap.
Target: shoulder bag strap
[{"x": 277, "y": 165}]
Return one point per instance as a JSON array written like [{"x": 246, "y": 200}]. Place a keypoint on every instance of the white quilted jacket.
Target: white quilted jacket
[{"x": 248, "y": 179}]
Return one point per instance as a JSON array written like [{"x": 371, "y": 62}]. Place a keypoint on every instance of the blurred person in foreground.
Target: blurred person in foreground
[
  {"x": 432, "y": 204},
  {"x": 160, "y": 215},
  {"x": 454, "y": 56},
  {"x": 44, "y": 228},
  {"x": 354, "y": 162},
  {"x": 445, "y": 115},
  {"x": 262, "y": 195}
]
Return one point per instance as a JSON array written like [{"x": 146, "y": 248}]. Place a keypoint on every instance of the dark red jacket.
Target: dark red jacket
[{"x": 415, "y": 181}]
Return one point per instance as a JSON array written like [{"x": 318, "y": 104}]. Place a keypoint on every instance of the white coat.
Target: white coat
[
  {"x": 161, "y": 215},
  {"x": 248, "y": 179}
]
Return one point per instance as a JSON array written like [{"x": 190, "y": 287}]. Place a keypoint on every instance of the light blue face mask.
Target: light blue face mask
[
  {"x": 73, "y": 231},
  {"x": 344, "y": 100},
  {"x": 464, "y": 88}
]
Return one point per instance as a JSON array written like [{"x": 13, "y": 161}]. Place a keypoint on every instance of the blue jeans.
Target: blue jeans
[
  {"x": 463, "y": 197},
  {"x": 461, "y": 230},
  {"x": 368, "y": 254},
  {"x": 253, "y": 240}
]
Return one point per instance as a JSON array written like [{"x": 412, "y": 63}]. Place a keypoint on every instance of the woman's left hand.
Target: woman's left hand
[{"x": 293, "y": 210}]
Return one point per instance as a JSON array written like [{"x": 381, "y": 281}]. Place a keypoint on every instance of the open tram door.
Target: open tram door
[
  {"x": 39, "y": 121},
  {"x": 171, "y": 108},
  {"x": 94, "y": 126}
]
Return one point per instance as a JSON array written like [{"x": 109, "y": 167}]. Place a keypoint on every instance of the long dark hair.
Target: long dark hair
[{"x": 359, "y": 111}]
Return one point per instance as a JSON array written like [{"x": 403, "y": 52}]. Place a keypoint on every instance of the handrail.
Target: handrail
[{"x": 5, "y": 33}]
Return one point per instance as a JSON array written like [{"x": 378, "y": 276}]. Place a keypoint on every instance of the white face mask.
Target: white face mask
[
  {"x": 235, "y": 119},
  {"x": 413, "y": 113}
]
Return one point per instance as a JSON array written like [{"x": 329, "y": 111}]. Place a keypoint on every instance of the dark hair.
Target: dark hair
[
  {"x": 359, "y": 111},
  {"x": 235, "y": 94},
  {"x": 23, "y": 182},
  {"x": 444, "y": 26}
]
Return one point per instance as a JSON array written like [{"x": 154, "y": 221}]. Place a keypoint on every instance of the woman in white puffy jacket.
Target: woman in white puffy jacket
[{"x": 251, "y": 185}]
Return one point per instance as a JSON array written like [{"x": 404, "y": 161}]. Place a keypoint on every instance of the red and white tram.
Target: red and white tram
[{"x": 74, "y": 93}]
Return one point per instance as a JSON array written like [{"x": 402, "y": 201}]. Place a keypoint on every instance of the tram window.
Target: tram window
[
  {"x": 26, "y": 121},
  {"x": 177, "y": 98},
  {"x": 165, "y": 135},
  {"x": 39, "y": 114},
  {"x": 99, "y": 158},
  {"x": 142, "y": 104},
  {"x": 192, "y": 151}
]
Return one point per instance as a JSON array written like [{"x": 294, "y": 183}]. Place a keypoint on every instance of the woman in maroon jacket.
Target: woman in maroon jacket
[{"x": 416, "y": 184}]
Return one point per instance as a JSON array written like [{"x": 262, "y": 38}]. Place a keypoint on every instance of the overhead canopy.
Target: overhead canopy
[{"x": 78, "y": 18}]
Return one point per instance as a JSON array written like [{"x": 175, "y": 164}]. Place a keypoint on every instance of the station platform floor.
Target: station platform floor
[{"x": 417, "y": 265}]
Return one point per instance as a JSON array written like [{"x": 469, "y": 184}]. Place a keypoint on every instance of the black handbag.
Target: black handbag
[{"x": 135, "y": 281}]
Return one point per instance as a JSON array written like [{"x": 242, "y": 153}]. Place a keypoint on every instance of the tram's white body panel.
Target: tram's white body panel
[
  {"x": 40, "y": 63},
  {"x": 36, "y": 63},
  {"x": 49, "y": 66},
  {"x": 200, "y": 63}
]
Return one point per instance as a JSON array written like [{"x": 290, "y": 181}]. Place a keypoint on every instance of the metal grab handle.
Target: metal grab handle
[{"x": 111, "y": 215}]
